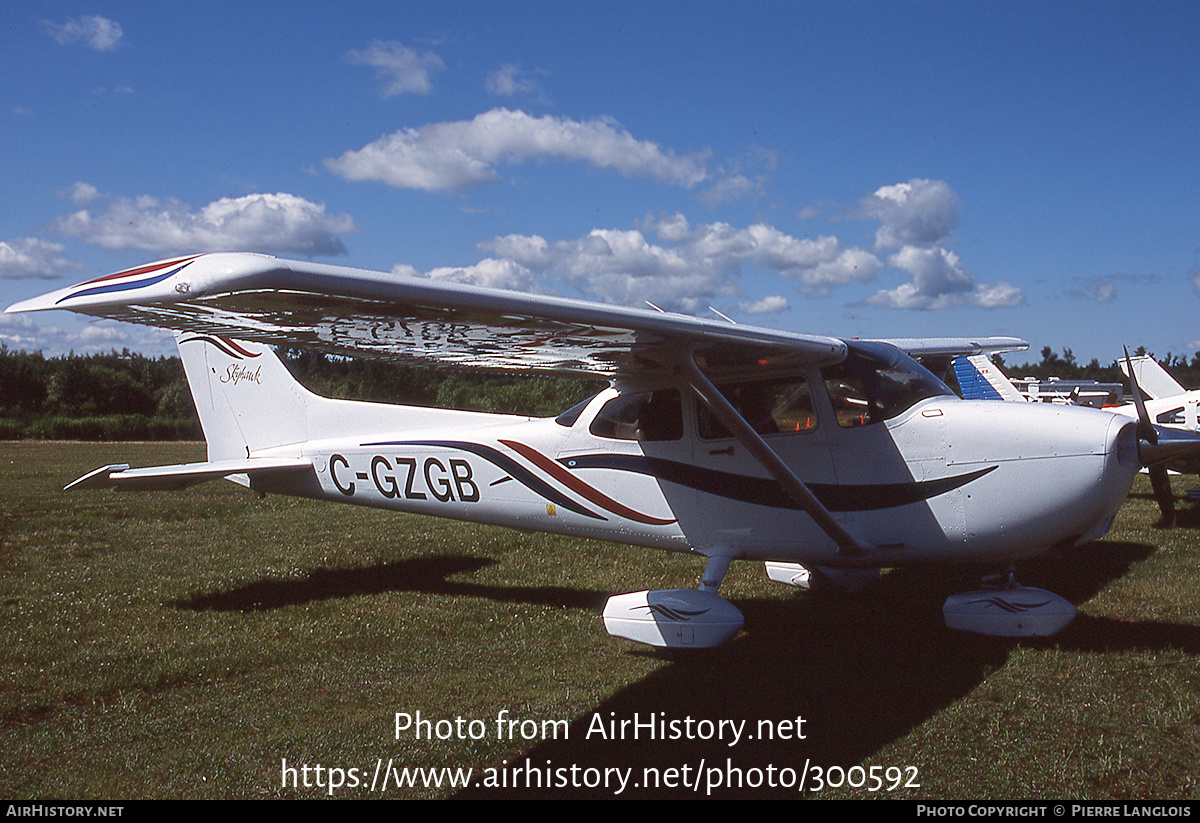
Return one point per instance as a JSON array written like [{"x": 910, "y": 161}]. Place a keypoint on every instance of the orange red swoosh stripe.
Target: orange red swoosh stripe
[{"x": 589, "y": 493}]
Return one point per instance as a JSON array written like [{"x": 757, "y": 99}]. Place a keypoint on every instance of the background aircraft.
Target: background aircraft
[
  {"x": 979, "y": 378},
  {"x": 1167, "y": 404},
  {"x": 721, "y": 440}
]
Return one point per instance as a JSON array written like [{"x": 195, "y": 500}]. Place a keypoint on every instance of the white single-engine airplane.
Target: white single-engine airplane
[{"x": 813, "y": 454}]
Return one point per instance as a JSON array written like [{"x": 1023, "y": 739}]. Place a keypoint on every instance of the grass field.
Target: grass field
[{"x": 201, "y": 644}]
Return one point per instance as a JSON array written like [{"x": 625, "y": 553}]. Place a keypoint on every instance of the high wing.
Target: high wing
[{"x": 354, "y": 312}]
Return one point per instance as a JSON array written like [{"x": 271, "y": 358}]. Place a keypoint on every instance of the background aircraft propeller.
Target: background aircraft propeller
[{"x": 1149, "y": 433}]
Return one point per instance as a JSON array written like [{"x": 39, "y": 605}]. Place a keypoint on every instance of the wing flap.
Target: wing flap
[{"x": 172, "y": 478}]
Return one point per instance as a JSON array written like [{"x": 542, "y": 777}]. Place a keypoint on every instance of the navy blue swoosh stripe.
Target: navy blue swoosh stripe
[
  {"x": 507, "y": 464},
  {"x": 765, "y": 491},
  {"x": 136, "y": 284}
]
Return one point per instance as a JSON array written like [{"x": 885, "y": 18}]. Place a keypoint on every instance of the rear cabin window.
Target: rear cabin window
[
  {"x": 645, "y": 416},
  {"x": 770, "y": 407},
  {"x": 569, "y": 417}
]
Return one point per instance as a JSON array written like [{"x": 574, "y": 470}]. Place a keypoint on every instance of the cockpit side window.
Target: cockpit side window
[
  {"x": 645, "y": 416},
  {"x": 851, "y": 404},
  {"x": 772, "y": 406},
  {"x": 876, "y": 382}
]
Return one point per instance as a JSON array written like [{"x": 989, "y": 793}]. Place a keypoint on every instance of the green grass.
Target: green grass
[{"x": 185, "y": 644}]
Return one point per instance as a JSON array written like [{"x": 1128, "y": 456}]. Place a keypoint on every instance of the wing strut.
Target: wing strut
[{"x": 765, "y": 455}]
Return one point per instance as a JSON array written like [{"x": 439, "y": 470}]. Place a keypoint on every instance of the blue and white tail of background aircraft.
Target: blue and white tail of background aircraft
[
  {"x": 981, "y": 379},
  {"x": 827, "y": 459}
]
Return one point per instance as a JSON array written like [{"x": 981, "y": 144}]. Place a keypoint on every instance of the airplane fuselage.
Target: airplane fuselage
[{"x": 947, "y": 480}]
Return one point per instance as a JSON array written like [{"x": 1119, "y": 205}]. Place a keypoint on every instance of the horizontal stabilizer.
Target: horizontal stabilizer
[{"x": 171, "y": 478}]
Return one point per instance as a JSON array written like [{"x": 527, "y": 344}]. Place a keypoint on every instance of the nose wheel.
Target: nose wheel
[{"x": 1002, "y": 607}]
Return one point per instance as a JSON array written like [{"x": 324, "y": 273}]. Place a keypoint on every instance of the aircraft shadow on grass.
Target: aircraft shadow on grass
[
  {"x": 426, "y": 575},
  {"x": 862, "y": 670}
]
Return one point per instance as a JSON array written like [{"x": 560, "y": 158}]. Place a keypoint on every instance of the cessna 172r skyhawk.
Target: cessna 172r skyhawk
[{"x": 836, "y": 457}]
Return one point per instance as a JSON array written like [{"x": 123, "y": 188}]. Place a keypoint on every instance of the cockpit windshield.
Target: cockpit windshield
[{"x": 876, "y": 382}]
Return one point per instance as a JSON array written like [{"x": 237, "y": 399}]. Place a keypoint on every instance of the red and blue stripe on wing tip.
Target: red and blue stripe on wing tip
[{"x": 130, "y": 278}]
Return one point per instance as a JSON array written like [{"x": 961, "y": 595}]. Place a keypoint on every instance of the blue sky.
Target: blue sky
[{"x": 861, "y": 169}]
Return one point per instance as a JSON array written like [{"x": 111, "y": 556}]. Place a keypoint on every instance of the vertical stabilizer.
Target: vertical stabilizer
[
  {"x": 246, "y": 398},
  {"x": 1152, "y": 378},
  {"x": 981, "y": 379}
]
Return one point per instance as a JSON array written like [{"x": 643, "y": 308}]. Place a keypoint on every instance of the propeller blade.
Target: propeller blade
[
  {"x": 1156, "y": 445},
  {"x": 1162, "y": 493},
  {"x": 1165, "y": 444},
  {"x": 1146, "y": 430}
]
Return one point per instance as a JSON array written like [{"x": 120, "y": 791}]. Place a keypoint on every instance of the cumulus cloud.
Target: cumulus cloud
[
  {"x": 731, "y": 188},
  {"x": 97, "y": 33},
  {"x": 492, "y": 274},
  {"x": 510, "y": 80},
  {"x": 21, "y": 332},
  {"x": 276, "y": 223},
  {"x": 815, "y": 264},
  {"x": 80, "y": 193},
  {"x": 680, "y": 266},
  {"x": 31, "y": 257},
  {"x": 402, "y": 70},
  {"x": 918, "y": 218},
  {"x": 939, "y": 281},
  {"x": 742, "y": 177},
  {"x": 688, "y": 266},
  {"x": 459, "y": 154},
  {"x": 1103, "y": 288},
  {"x": 916, "y": 213},
  {"x": 621, "y": 266},
  {"x": 772, "y": 304}
]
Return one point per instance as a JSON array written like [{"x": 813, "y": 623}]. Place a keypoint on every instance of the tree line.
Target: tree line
[
  {"x": 1065, "y": 366},
  {"x": 129, "y": 396}
]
